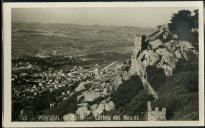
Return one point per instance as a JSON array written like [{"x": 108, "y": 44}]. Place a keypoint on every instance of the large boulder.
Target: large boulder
[
  {"x": 182, "y": 49},
  {"x": 69, "y": 117},
  {"x": 160, "y": 51},
  {"x": 178, "y": 54},
  {"x": 103, "y": 85},
  {"x": 186, "y": 45},
  {"x": 125, "y": 76},
  {"x": 169, "y": 58},
  {"x": 138, "y": 68},
  {"x": 83, "y": 112},
  {"x": 83, "y": 105},
  {"x": 117, "y": 81},
  {"x": 93, "y": 107},
  {"x": 83, "y": 86},
  {"x": 80, "y": 98},
  {"x": 155, "y": 44},
  {"x": 109, "y": 106},
  {"x": 100, "y": 109},
  {"x": 151, "y": 58},
  {"x": 187, "y": 50},
  {"x": 172, "y": 45},
  {"x": 91, "y": 96},
  {"x": 173, "y": 52},
  {"x": 168, "y": 70},
  {"x": 106, "y": 91}
]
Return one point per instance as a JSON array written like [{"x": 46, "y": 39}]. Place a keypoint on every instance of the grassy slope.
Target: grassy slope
[{"x": 179, "y": 93}]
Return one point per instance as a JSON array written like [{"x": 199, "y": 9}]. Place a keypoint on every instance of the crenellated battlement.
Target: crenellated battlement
[
  {"x": 138, "y": 41},
  {"x": 156, "y": 114},
  {"x": 139, "y": 44}
]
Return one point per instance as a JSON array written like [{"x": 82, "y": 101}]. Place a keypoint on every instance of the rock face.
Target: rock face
[
  {"x": 83, "y": 86},
  {"x": 109, "y": 106},
  {"x": 79, "y": 98},
  {"x": 117, "y": 81},
  {"x": 93, "y": 107},
  {"x": 150, "y": 58},
  {"x": 83, "y": 104},
  {"x": 91, "y": 96},
  {"x": 155, "y": 44},
  {"x": 105, "y": 91},
  {"x": 160, "y": 51},
  {"x": 125, "y": 76},
  {"x": 83, "y": 112},
  {"x": 100, "y": 109}
]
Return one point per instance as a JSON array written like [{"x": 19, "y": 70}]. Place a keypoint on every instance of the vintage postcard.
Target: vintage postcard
[{"x": 103, "y": 64}]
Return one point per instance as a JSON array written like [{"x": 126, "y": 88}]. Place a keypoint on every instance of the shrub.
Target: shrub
[{"x": 185, "y": 25}]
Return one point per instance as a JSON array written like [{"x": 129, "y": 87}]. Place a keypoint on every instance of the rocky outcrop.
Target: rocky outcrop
[
  {"x": 155, "y": 44},
  {"x": 94, "y": 99},
  {"x": 162, "y": 52},
  {"x": 117, "y": 81},
  {"x": 91, "y": 96},
  {"x": 83, "y": 112},
  {"x": 162, "y": 55},
  {"x": 83, "y": 86},
  {"x": 100, "y": 109},
  {"x": 109, "y": 106}
]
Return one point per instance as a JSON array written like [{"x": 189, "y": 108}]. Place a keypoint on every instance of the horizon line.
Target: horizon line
[{"x": 85, "y": 24}]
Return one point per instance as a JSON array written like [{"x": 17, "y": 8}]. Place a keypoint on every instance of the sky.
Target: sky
[{"x": 139, "y": 17}]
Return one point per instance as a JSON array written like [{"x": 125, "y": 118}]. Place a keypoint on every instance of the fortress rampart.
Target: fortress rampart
[{"x": 155, "y": 115}]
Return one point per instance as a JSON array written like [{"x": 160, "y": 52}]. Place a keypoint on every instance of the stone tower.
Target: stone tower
[
  {"x": 137, "y": 45},
  {"x": 135, "y": 67},
  {"x": 155, "y": 115}
]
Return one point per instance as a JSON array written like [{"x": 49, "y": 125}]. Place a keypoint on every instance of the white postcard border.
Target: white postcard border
[{"x": 7, "y": 64}]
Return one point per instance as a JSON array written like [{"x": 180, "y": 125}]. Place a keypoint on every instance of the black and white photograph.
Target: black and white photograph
[{"x": 105, "y": 63}]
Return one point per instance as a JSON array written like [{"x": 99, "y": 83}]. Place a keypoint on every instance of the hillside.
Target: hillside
[
  {"x": 80, "y": 72},
  {"x": 73, "y": 40},
  {"x": 162, "y": 69}
]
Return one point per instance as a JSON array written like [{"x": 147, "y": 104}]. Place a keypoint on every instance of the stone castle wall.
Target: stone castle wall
[
  {"x": 137, "y": 50},
  {"x": 137, "y": 67},
  {"x": 155, "y": 115},
  {"x": 137, "y": 45}
]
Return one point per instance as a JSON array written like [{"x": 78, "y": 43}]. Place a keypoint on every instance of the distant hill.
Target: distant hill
[{"x": 29, "y": 38}]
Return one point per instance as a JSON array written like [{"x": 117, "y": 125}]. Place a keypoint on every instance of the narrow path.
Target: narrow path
[
  {"x": 110, "y": 65},
  {"x": 93, "y": 69}
]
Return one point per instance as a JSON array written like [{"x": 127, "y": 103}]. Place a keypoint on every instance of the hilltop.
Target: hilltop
[
  {"x": 86, "y": 72},
  {"x": 161, "y": 69}
]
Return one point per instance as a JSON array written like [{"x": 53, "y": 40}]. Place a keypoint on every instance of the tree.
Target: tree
[{"x": 185, "y": 25}]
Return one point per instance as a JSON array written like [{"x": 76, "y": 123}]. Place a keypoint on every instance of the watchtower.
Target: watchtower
[
  {"x": 137, "y": 45},
  {"x": 136, "y": 52},
  {"x": 155, "y": 115}
]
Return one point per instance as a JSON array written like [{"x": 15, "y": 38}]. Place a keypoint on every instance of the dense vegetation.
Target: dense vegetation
[
  {"x": 131, "y": 99},
  {"x": 185, "y": 25}
]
